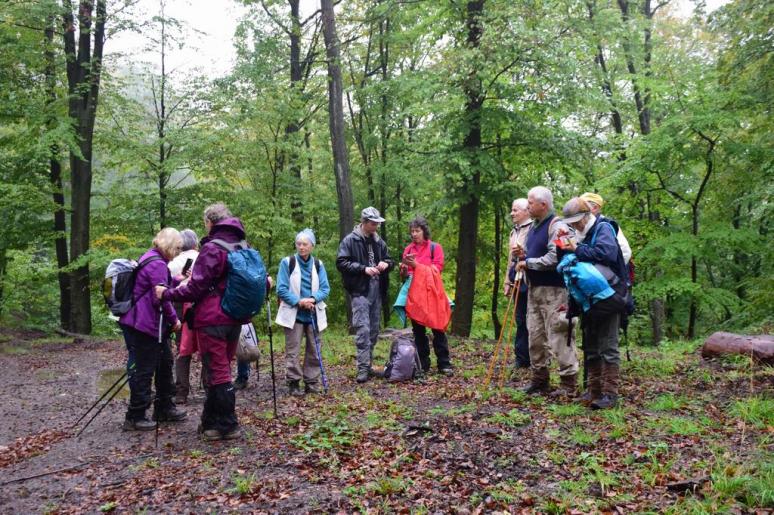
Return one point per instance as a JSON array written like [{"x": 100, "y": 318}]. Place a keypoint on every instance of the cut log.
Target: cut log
[{"x": 761, "y": 347}]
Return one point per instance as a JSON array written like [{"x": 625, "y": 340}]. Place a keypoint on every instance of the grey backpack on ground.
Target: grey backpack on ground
[{"x": 403, "y": 364}]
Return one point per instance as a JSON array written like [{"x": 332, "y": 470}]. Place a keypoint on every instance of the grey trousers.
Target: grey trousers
[
  {"x": 600, "y": 338},
  {"x": 366, "y": 312},
  {"x": 311, "y": 369}
]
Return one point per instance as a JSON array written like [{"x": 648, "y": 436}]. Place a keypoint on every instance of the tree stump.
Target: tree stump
[{"x": 761, "y": 347}]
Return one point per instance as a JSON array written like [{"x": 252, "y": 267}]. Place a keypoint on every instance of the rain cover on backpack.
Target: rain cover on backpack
[{"x": 403, "y": 364}]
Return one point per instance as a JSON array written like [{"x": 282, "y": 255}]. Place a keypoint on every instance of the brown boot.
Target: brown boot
[
  {"x": 540, "y": 382},
  {"x": 610, "y": 380},
  {"x": 594, "y": 380},
  {"x": 568, "y": 386}
]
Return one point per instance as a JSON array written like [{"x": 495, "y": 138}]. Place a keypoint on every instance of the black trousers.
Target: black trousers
[
  {"x": 148, "y": 361},
  {"x": 440, "y": 346},
  {"x": 521, "y": 340}
]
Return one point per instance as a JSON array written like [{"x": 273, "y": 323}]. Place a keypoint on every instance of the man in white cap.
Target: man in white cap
[{"x": 365, "y": 263}]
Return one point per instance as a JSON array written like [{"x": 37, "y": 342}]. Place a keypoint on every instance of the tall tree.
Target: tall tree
[
  {"x": 84, "y": 69},
  {"x": 468, "y": 212},
  {"x": 336, "y": 120}
]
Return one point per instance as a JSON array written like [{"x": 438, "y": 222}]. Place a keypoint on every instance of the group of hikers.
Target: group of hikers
[{"x": 180, "y": 284}]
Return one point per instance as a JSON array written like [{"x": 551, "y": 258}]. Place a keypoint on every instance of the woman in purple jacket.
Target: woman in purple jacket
[
  {"x": 146, "y": 329},
  {"x": 216, "y": 333}
]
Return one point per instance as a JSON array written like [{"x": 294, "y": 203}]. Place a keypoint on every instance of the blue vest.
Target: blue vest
[{"x": 537, "y": 246}]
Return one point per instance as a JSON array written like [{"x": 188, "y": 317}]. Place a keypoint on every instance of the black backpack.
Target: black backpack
[{"x": 292, "y": 264}]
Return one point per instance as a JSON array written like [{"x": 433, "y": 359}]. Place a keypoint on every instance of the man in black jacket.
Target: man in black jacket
[{"x": 365, "y": 263}]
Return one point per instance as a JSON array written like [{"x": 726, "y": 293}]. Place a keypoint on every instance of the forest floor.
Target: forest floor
[{"x": 689, "y": 436}]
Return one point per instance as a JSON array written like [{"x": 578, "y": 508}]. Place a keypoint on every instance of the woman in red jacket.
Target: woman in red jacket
[{"x": 423, "y": 251}]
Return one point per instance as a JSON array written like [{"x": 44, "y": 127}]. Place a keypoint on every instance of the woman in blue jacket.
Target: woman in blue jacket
[{"x": 302, "y": 286}]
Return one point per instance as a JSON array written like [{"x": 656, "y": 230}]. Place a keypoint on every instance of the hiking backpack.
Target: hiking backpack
[
  {"x": 245, "y": 280},
  {"x": 118, "y": 285},
  {"x": 403, "y": 364}
]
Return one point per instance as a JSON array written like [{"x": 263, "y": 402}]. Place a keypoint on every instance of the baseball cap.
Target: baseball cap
[
  {"x": 372, "y": 214},
  {"x": 575, "y": 209}
]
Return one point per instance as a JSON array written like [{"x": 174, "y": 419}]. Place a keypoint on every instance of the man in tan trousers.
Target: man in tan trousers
[{"x": 547, "y": 299}]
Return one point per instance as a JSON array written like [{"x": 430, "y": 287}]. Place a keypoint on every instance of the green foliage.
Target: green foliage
[
  {"x": 513, "y": 418},
  {"x": 758, "y": 411}
]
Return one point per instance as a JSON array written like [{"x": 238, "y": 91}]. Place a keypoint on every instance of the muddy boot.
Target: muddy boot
[
  {"x": 362, "y": 375},
  {"x": 610, "y": 379},
  {"x": 294, "y": 388},
  {"x": 142, "y": 424},
  {"x": 182, "y": 379},
  {"x": 171, "y": 414},
  {"x": 540, "y": 382},
  {"x": 568, "y": 386},
  {"x": 594, "y": 379}
]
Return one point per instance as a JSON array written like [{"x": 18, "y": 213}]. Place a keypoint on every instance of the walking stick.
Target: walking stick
[
  {"x": 102, "y": 407},
  {"x": 496, "y": 354},
  {"x": 161, "y": 342},
  {"x": 103, "y": 396},
  {"x": 271, "y": 356},
  {"x": 509, "y": 338},
  {"x": 318, "y": 350}
]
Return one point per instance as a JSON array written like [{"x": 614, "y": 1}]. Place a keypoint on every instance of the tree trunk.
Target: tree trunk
[
  {"x": 760, "y": 347},
  {"x": 292, "y": 128},
  {"x": 468, "y": 223},
  {"x": 336, "y": 120},
  {"x": 83, "y": 77},
  {"x": 57, "y": 189}
]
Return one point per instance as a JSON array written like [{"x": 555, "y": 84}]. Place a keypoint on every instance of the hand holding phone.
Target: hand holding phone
[{"x": 187, "y": 266}]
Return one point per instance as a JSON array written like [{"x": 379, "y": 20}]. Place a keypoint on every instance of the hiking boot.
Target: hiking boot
[
  {"x": 240, "y": 384},
  {"x": 610, "y": 378},
  {"x": 313, "y": 389},
  {"x": 362, "y": 375},
  {"x": 447, "y": 371},
  {"x": 170, "y": 415},
  {"x": 234, "y": 434},
  {"x": 211, "y": 435},
  {"x": 568, "y": 386},
  {"x": 594, "y": 379},
  {"x": 605, "y": 402},
  {"x": 540, "y": 382},
  {"x": 294, "y": 389},
  {"x": 142, "y": 424}
]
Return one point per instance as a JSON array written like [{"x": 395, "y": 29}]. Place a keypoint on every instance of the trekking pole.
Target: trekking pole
[
  {"x": 496, "y": 354},
  {"x": 507, "y": 355},
  {"x": 318, "y": 350},
  {"x": 161, "y": 342},
  {"x": 102, "y": 407},
  {"x": 271, "y": 357},
  {"x": 100, "y": 399}
]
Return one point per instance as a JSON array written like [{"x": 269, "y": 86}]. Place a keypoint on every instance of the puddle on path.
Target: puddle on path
[{"x": 110, "y": 376}]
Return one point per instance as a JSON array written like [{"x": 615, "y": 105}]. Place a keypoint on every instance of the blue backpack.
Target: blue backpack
[
  {"x": 585, "y": 281},
  {"x": 245, "y": 280}
]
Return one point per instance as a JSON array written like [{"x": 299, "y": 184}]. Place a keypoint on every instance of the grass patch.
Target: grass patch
[
  {"x": 566, "y": 410},
  {"x": 754, "y": 410},
  {"x": 666, "y": 402},
  {"x": 580, "y": 436},
  {"x": 328, "y": 434},
  {"x": 513, "y": 418},
  {"x": 386, "y": 486},
  {"x": 683, "y": 426},
  {"x": 242, "y": 484}
]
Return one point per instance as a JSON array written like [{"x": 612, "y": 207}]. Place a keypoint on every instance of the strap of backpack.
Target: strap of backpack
[
  {"x": 136, "y": 271},
  {"x": 230, "y": 247},
  {"x": 292, "y": 264},
  {"x": 432, "y": 251}
]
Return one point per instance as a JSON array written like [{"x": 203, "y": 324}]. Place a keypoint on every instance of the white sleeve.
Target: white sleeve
[{"x": 626, "y": 250}]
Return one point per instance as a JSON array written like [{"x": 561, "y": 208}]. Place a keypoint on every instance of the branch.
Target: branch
[{"x": 275, "y": 20}]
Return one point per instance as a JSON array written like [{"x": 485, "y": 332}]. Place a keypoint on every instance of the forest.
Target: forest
[{"x": 448, "y": 109}]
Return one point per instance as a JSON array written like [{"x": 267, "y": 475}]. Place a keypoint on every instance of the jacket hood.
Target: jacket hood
[
  {"x": 227, "y": 227},
  {"x": 359, "y": 232}
]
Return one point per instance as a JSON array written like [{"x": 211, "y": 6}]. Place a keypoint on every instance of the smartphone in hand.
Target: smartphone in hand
[{"x": 187, "y": 266}]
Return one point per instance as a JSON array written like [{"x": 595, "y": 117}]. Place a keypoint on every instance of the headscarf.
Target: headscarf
[{"x": 308, "y": 235}]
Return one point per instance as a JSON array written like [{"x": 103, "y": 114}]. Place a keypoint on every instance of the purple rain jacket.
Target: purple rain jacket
[
  {"x": 208, "y": 277},
  {"x": 144, "y": 315}
]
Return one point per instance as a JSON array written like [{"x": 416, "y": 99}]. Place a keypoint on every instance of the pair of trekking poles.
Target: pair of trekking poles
[
  {"x": 501, "y": 354},
  {"x": 317, "y": 350},
  {"x": 118, "y": 386}
]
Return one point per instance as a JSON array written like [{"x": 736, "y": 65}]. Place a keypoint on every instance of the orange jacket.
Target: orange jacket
[{"x": 427, "y": 303}]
